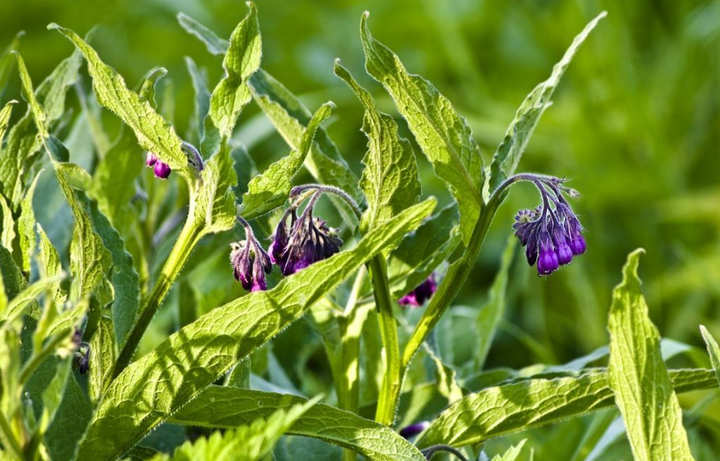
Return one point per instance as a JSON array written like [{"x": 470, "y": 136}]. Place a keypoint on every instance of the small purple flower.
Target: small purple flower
[
  {"x": 250, "y": 264},
  {"x": 302, "y": 241},
  {"x": 162, "y": 170},
  {"x": 551, "y": 233},
  {"x": 81, "y": 359},
  {"x": 413, "y": 429},
  {"x": 420, "y": 293}
]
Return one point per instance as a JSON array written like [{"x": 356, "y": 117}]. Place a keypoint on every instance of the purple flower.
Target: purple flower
[
  {"x": 250, "y": 263},
  {"x": 162, "y": 170},
  {"x": 81, "y": 358},
  {"x": 551, "y": 233},
  {"x": 302, "y": 241},
  {"x": 414, "y": 429},
  {"x": 420, "y": 293}
]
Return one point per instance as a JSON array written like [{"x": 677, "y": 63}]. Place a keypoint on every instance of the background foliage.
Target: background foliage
[{"x": 634, "y": 124}]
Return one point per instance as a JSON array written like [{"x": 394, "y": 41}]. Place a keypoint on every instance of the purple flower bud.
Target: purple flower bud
[
  {"x": 151, "y": 159},
  {"x": 562, "y": 249},
  {"x": 161, "y": 170},
  {"x": 578, "y": 245},
  {"x": 547, "y": 261},
  {"x": 414, "y": 429},
  {"x": 420, "y": 293},
  {"x": 81, "y": 358},
  {"x": 250, "y": 263}
]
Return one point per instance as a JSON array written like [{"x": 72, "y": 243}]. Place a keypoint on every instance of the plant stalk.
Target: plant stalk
[{"x": 188, "y": 238}]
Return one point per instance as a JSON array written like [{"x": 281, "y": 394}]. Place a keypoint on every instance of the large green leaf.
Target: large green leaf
[
  {"x": 69, "y": 423},
  {"x": 148, "y": 391},
  {"x": 5, "y": 119},
  {"x": 508, "y": 154},
  {"x": 713, "y": 350},
  {"x": 241, "y": 60},
  {"x": 246, "y": 442},
  {"x": 290, "y": 117},
  {"x": 228, "y": 407},
  {"x": 442, "y": 134},
  {"x": 153, "y": 132},
  {"x": 390, "y": 179},
  {"x": 17, "y": 157},
  {"x": 490, "y": 315},
  {"x": 525, "y": 404},
  {"x": 90, "y": 261},
  {"x": 271, "y": 189},
  {"x": 638, "y": 376}
]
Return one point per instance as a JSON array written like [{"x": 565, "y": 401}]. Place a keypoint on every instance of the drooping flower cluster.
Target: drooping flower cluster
[
  {"x": 300, "y": 242},
  {"x": 250, "y": 263},
  {"x": 420, "y": 293},
  {"x": 550, "y": 233},
  {"x": 162, "y": 170}
]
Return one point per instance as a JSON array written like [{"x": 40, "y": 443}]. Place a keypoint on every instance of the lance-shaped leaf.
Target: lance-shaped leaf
[
  {"x": 49, "y": 261},
  {"x": 228, "y": 407},
  {"x": 29, "y": 95},
  {"x": 17, "y": 157},
  {"x": 713, "y": 350},
  {"x": 508, "y": 154},
  {"x": 214, "y": 206},
  {"x": 248, "y": 442},
  {"x": 148, "y": 391},
  {"x": 153, "y": 132},
  {"x": 5, "y": 119},
  {"x": 7, "y": 61},
  {"x": 202, "y": 98},
  {"x": 7, "y": 233},
  {"x": 390, "y": 179},
  {"x": 22, "y": 301},
  {"x": 638, "y": 376},
  {"x": 26, "y": 226},
  {"x": 215, "y": 44},
  {"x": 102, "y": 356},
  {"x": 89, "y": 259},
  {"x": 290, "y": 117},
  {"x": 271, "y": 189},
  {"x": 529, "y": 403},
  {"x": 241, "y": 60},
  {"x": 442, "y": 134}
]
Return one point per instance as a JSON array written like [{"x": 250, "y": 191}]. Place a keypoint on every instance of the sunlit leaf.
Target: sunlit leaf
[
  {"x": 638, "y": 376},
  {"x": 215, "y": 44},
  {"x": 713, "y": 350}
]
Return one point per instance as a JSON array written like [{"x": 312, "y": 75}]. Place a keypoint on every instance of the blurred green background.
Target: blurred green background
[{"x": 635, "y": 124}]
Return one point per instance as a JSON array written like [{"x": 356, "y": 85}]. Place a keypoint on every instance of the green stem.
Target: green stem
[
  {"x": 8, "y": 438},
  {"x": 392, "y": 379},
  {"x": 188, "y": 238}
]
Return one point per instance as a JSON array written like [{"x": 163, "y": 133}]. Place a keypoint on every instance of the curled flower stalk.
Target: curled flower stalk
[
  {"x": 550, "y": 233},
  {"x": 249, "y": 261}
]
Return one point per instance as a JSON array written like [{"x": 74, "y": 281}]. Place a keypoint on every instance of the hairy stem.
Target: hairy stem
[
  {"x": 392, "y": 379},
  {"x": 188, "y": 238}
]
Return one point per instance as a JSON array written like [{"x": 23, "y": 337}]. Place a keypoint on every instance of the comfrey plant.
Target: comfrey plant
[{"x": 73, "y": 384}]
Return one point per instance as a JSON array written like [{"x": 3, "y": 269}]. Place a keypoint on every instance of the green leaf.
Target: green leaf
[
  {"x": 149, "y": 390},
  {"x": 23, "y": 300},
  {"x": 508, "y": 154},
  {"x": 214, "y": 207},
  {"x": 153, "y": 132},
  {"x": 7, "y": 61},
  {"x": 26, "y": 226},
  {"x": 229, "y": 407},
  {"x": 241, "y": 60},
  {"x": 5, "y": 119},
  {"x": 390, "y": 179},
  {"x": 49, "y": 261},
  {"x": 70, "y": 422},
  {"x": 124, "y": 278},
  {"x": 638, "y": 376},
  {"x": 511, "y": 454},
  {"x": 421, "y": 252},
  {"x": 149, "y": 82},
  {"x": 271, "y": 189},
  {"x": 215, "y": 44},
  {"x": 202, "y": 98},
  {"x": 17, "y": 157},
  {"x": 490, "y": 315},
  {"x": 7, "y": 234},
  {"x": 29, "y": 95},
  {"x": 102, "y": 356},
  {"x": 13, "y": 279},
  {"x": 290, "y": 117},
  {"x": 529, "y": 403},
  {"x": 89, "y": 259},
  {"x": 248, "y": 442},
  {"x": 713, "y": 350},
  {"x": 442, "y": 134}
]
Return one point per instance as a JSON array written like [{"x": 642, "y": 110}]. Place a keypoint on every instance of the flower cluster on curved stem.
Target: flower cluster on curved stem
[{"x": 249, "y": 260}]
